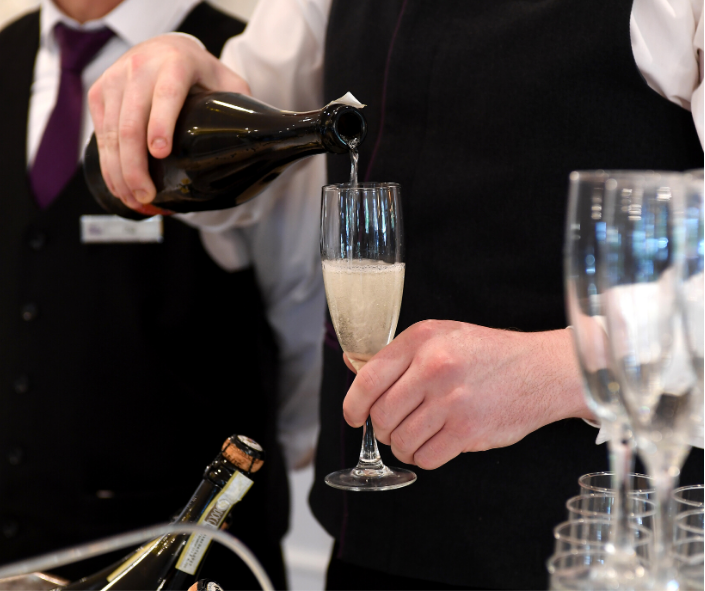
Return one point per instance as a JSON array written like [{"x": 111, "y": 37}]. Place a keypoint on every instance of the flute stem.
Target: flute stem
[
  {"x": 621, "y": 447},
  {"x": 369, "y": 452}
]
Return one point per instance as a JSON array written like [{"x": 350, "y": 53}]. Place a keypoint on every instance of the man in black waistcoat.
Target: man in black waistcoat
[
  {"x": 116, "y": 383},
  {"x": 480, "y": 110}
]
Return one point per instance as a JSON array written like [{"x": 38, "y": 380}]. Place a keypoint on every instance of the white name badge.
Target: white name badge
[{"x": 104, "y": 229}]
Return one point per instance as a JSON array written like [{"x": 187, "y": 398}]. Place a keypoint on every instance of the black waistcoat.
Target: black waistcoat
[
  {"x": 123, "y": 367},
  {"x": 488, "y": 106}
]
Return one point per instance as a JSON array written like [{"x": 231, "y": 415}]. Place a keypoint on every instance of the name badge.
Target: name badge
[{"x": 105, "y": 229}]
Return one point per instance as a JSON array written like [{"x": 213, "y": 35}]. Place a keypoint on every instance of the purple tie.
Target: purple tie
[{"x": 57, "y": 156}]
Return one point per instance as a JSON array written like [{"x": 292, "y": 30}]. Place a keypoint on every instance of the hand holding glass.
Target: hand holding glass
[{"x": 362, "y": 252}]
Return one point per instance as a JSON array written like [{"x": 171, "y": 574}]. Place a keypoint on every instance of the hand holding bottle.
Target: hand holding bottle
[
  {"x": 441, "y": 388},
  {"x": 136, "y": 102}
]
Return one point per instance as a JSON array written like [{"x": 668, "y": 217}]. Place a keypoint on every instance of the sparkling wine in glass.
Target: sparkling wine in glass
[{"x": 362, "y": 253}]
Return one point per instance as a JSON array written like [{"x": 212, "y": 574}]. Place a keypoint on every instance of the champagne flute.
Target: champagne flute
[
  {"x": 585, "y": 230},
  {"x": 691, "y": 286},
  {"x": 643, "y": 255},
  {"x": 362, "y": 252}
]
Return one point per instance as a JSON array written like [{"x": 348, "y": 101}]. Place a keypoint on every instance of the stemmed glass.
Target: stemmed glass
[
  {"x": 691, "y": 288},
  {"x": 362, "y": 252},
  {"x": 585, "y": 230},
  {"x": 642, "y": 266}
]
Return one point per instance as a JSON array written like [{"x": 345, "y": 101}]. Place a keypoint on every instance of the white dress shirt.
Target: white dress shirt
[{"x": 280, "y": 54}]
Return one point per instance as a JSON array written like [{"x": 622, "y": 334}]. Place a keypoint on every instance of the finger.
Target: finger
[
  {"x": 439, "y": 449},
  {"x": 96, "y": 106},
  {"x": 347, "y": 361},
  {"x": 134, "y": 115},
  {"x": 97, "y": 109},
  {"x": 393, "y": 407},
  {"x": 414, "y": 431},
  {"x": 132, "y": 203},
  {"x": 377, "y": 376},
  {"x": 170, "y": 92},
  {"x": 108, "y": 136},
  {"x": 372, "y": 381}
]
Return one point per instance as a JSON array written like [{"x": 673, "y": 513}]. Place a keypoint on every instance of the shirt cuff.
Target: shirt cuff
[{"x": 602, "y": 433}]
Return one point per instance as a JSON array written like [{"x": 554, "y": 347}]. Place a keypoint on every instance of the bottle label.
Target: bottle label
[{"x": 213, "y": 516}]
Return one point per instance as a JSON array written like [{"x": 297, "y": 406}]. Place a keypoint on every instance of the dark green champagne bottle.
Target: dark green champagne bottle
[
  {"x": 173, "y": 561},
  {"x": 228, "y": 147}
]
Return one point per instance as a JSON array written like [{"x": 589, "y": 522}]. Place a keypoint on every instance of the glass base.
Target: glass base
[{"x": 371, "y": 479}]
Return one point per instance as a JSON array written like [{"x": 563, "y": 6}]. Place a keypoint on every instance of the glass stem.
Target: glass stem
[
  {"x": 621, "y": 448},
  {"x": 369, "y": 453},
  {"x": 665, "y": 477}
]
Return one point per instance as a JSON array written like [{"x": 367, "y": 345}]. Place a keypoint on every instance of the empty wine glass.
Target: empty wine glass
[
  {"x": 642, "y": 254},
  {"x": 690, "y": 288},
  {"x": 362, "y": 252},
  {"x": 585, "y": 230}
]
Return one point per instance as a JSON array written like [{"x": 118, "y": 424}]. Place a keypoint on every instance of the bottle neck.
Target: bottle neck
[
  {"x": 220, "y": 490},
  {"x": 222, "y": 485}
]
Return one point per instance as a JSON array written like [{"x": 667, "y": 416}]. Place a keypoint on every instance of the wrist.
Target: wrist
[{"x": 557, "y": 372}]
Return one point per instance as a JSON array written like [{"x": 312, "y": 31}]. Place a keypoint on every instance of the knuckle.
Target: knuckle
[
  {"x": 423, "y": 330},
  {"x": 95, "y": 96},
  {"x": 166, "y": 90},
  {"x": 440, "y": 363},
  {"x": 111, "y": 79},
  {"x": 108, "y": 140},
  {"x": 425, "y": 461},
  {"x": 135, "y": 64},
  {"x": 380, "y": 419},
  {"x": 400, "y": 442},
  {"x": 368, "y": 378},
  {"x": 129, "y": 131}
]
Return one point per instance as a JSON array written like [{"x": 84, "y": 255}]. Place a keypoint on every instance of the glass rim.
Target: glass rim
[
  {"x": 648, "y": 511},
  {"x": 645, "y": 534},
  {"x": 599, "y": 173},
  {"x": 596, "y": 521},
  {"x": 363, "y": 185},
  {"x": 678, "y": 498},
  {"x": 640, "y": 491},
  {"x": 578, "y": 553}
]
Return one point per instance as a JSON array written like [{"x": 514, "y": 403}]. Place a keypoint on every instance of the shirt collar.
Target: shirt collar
[{"x": 134, "y": 21}]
